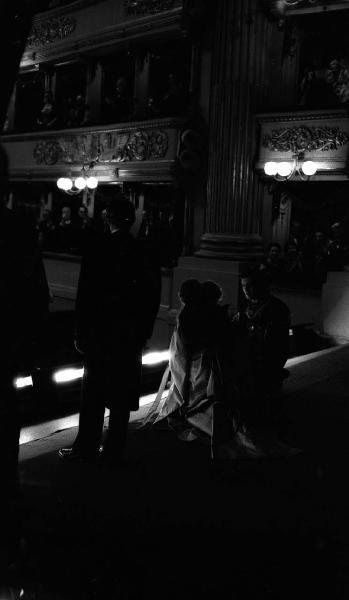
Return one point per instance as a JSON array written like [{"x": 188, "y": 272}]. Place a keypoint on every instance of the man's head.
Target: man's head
[
  {"x": 120, "y": 212},
  {"x": 66, "y": 214},
  {"x": 82, "y": 212},
  {"x": 212, "y": 292},
  {"x": 255, "y": 285},
  {"x": 191, "y": 292},
  {"x": 274, "y": 251}
]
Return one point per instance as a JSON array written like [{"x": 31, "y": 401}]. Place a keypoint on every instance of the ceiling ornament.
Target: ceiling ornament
[{"x": 54, "y": 30}]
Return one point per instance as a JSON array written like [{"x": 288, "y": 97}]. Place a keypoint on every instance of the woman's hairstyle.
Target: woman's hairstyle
[
  {"x": 120, "y": 211},
  {"x": 190, "y": 291},
  {"x": 211, "y": 292}
]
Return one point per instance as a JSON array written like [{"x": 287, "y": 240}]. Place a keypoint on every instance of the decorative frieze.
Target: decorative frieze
[
  {"x": 53, "y": 30},
  {"x": 301, "y": 139},
  {"x": 104, "y": 147},
  {"x": 142, "y": 8}
]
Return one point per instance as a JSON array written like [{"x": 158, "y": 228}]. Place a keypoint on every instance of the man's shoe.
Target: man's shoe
[{"x": 70, "y": 454}]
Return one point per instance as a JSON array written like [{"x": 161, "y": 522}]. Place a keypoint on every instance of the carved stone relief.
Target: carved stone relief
[
  {"x": 300, "y": 139},
  {"x": 146, "y": 7},
  {"x": 54, "y": 30},
  {"x": 104, "y": 147}
]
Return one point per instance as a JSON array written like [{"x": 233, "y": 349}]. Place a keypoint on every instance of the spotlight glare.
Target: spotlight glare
[
  {"x": 22, "y": 382},
  {"x": 154, "y": 358},
  {"x": 65, "y": 375}
]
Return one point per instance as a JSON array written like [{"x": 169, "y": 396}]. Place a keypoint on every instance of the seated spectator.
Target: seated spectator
[
  {"x": 46, "y": 229},
  {"x": 84, "y": 228},
  {"x": 174, "y": 101},
  {"x": 47, "y": 116},
  {"x": 119, "y": 106},
  {"x": 316, "y": 258},
  {"x": 273, "y": 264},
  {"x": 66, "y": 233},
  {"x": 338, "y": 249},
  {"x": 294, "y": 264}
]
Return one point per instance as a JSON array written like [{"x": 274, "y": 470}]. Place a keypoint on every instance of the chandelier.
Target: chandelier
[
  {"x": 76, "y": 185},
  {"x": 297, "y": 168}
]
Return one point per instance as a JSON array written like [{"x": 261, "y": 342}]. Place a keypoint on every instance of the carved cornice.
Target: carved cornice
[
  {"x": 301, "y": 139},
  {"x": 53, "y": 30},
  {"x": 141, "y": 8}
]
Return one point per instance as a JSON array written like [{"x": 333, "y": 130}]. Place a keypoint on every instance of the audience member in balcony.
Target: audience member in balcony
[
  {"x": 315, "y": 258},
  {"x": 174, "y": 101},
  {"x": 294, "y": 264},
  {"x": 273, "y": 264},
  {"x": 47, "y": 117},
  {"x": 84, "y": 228},
  {"x": 66, "y": 232},
  {"x": 119, "y": 106},
  {"x": 338, "y": 248},
  {"x": 46, "y": 229}
]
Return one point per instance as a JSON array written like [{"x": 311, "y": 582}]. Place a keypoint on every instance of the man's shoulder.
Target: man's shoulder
[{"x": 278, "y": 307}]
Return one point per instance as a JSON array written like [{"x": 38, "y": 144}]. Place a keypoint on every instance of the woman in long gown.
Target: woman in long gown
[{"x": 212, "y": 387}]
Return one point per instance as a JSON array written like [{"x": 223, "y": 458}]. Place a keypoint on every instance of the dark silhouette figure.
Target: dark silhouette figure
[
  {"x": 263, "y": 328},
  {"x": 116, "y": 306},
  {"x": 24, "y": 299}
]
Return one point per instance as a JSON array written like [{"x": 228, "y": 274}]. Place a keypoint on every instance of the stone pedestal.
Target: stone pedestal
[{"x": 335, "y": 306}]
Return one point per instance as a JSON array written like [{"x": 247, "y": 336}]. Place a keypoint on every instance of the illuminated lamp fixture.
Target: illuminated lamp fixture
[
  {"x": 284, "y": 170},
  {"x": 77, "y": 185}
]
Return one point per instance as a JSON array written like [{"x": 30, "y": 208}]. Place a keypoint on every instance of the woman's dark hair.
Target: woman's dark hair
[
  {"x": 211, "y": 292},
  {"x": 259, "y": 278},
  {"x": 120, "y": 211},
  {"x": 190, "y": 291}
]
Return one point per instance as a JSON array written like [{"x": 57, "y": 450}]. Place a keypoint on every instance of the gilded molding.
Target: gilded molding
[
  {"x": 52, "y": 30},
  {"x": 141, "y": 8},
  {"x": 301, "y": 139}
]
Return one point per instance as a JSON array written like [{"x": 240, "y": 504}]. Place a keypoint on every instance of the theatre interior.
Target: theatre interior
[
  {"x": 195, "y": 123},
  {"x": 225, "y": 123}
]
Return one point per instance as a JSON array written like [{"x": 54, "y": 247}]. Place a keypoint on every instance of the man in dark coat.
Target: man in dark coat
[
  {"x": 117, "y": 302},
  {"x": 263, "y": 329}
]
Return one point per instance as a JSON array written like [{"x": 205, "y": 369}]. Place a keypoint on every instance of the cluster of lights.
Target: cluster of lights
[
  {"x": 75, "y": 186},
  {"x": 72, "y": 373},
  {"x": 287, "y": 169}
]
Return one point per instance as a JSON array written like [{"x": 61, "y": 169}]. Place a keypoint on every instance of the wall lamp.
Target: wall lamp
[
  {"x": 79, "y": 183},
  {"x": 284, "y": 170}
]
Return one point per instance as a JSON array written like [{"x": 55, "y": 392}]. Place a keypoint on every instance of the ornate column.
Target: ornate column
[
  {"x": 247, "y": 62},
  {"x": 234, "y": 193}
]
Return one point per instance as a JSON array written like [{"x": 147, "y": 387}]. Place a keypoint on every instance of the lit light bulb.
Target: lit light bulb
[
  {"x": 284, "y": 169},
  {"x": 92, "y": 182},
  {"x": 309, "y": 168},
  {"x": 80, "y": 183},
  {"x": 64, "y": 183},
  {"x": 270, "y": 168}
]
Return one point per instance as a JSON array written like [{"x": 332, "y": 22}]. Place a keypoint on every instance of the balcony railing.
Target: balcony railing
[
  {"x": 318, "y": 136},
  {"x": 138, "y": 151}
]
